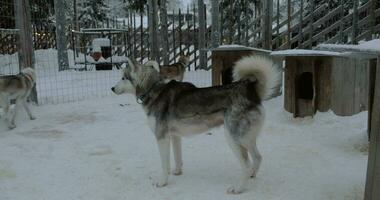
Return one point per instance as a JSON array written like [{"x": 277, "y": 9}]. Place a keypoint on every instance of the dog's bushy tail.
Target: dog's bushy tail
[{"x": 260, "y": 69}]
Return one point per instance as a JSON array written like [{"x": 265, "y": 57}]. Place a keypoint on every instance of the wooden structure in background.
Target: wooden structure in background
[
  {"x": 372, "y": 190},
  {"x": 320, "y": 81},
  {"x": 224, "y": 58}
]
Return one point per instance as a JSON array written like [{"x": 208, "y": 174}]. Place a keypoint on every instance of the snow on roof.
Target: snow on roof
[
  {"x": 101, "y": 42},
  {"x": 304, "y": 52},
  {"x": 237, "y": 47},
  {"x": 370, "y": 47}
]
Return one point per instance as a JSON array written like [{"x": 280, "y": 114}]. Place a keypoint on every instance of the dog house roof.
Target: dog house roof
[
  {"x": 303, "y": 52},
  {"x": 235, "y": 47}
]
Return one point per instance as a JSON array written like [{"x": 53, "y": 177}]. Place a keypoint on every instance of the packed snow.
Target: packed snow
[{"x": 103, "y": 149}]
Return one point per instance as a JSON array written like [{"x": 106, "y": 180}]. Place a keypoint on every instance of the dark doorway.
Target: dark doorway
[
  {"x": 304, "y": 86},
  {"x": 227, "y": 76}
]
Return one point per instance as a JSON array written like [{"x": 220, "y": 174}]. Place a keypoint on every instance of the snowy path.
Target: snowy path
[{"x": 100, "y": 150}]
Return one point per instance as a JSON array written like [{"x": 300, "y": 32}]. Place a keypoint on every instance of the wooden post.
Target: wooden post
[
  {"x": 372, "y": 18},
  {"x": 25, "y": 45},
  {"x": 341, "y": 27},
  {"x": 76, "y": 24},
  {"x": 355, "y": 25},
  {"x": 300, "y": 37},
  {"x": 289, "y": 5},
  {"x": 164, "y": 32},
  {"x": 267, "y": 24},
  {"x": 278, "y": 24},
  {"x": 312, "y": 5},
  {"x": 215, "y": 34},
  {"x": 372, "y": 191},
  {"x": 202, "y": 36},
  {"x": 153, "y": 35},
  {"x": 63, "y": 60}
]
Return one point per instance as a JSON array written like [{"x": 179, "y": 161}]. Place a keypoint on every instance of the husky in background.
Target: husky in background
[
  {"x": 16, "y": 87},
  {"x": 177, "y": 70},
  {"x": 178, "y": 109}
]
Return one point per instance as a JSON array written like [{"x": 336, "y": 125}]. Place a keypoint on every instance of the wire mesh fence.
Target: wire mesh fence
[{"x": 85, "y": 76}]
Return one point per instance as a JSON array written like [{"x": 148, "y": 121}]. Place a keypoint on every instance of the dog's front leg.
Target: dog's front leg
[
  {"x": 31, "y": 116},
  {"x": 164, "y": 148},
  {"x": 177, "y": 151},
  {"x": 11, "y": 122}
]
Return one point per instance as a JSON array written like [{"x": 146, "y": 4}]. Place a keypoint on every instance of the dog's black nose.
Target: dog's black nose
[{"x": 113, "y": 89}]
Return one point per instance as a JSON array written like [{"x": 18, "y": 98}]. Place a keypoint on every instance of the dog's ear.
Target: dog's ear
[
  {"x": 182, "y": 54},
  {"x": 133, "y": 64},
  {"x": 152, "y": 63}
]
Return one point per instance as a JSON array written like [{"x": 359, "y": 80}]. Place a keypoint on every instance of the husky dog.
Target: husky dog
[
  {"x": 17, "y": 87},
  {"x": 178, "y": 109},
  {"x": 177, "y": 70}
]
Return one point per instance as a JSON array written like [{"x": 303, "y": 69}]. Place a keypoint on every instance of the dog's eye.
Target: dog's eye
[{"x": 123, "y": 78}]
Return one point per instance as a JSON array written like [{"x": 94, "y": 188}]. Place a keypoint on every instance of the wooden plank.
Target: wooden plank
[
  {"x": 217, "y": 64},
  {"x": 371, "y": 92},
  {"x": 342, "y": 86},
  {"x": 215, "y": 37},
  {"x": 372, "y": 191},
  {"x": 361, "y": 85},
  {"x": 202, "y": 35},
  {"x": 164, "y": 34},
  {"x": 323, "y": 68}
]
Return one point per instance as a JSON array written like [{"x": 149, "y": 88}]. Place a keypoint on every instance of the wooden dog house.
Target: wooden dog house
[
  {"x": 321, "y": 80},
  {"x": 224, "y": 57}
]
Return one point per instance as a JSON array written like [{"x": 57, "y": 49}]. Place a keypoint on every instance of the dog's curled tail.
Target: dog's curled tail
[{"x": 258, "y": 69}]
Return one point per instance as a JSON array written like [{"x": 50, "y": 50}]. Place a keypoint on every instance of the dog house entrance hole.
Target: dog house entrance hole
[
  {"x": 304, "y": 86},
  {"x": 227, "y": 76}
]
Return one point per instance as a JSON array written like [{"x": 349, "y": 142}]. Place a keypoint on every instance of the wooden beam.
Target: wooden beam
[
  {"x": 25, "y": 45},
  {"x": 372, "y": 191}
]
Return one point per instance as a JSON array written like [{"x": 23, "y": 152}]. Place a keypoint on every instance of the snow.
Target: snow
[
  {"x": 238, "y": 47},
  {"x": 101, "y": 42},
  {"x": 304, "y": 52},
  {"x": 370, "y": 47},
  {"x": 103, "y": 149}
]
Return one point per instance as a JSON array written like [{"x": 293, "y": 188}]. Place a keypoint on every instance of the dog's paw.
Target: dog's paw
[
  {"x": 253, "y": 173},
  {"x": 11, "y": 126},
  {"x": 177, "y": 172},
  {"x": 33, "y": 118},
  {"x": 160, "y": 184},
  {"x": 234, "y": 190}
]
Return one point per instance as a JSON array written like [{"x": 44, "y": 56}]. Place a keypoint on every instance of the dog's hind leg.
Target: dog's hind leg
[
  {"x": 242, "y": 155},
  {"x": 177, "y": 151},
  {"x": 164, "y": 148},
  {"x": 4, "y": 103},
  {"x": 256, "y": 158},
  {"x": 25, "y": 103}
]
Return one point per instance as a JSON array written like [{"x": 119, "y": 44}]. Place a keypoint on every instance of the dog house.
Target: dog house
[
  {"x": 224, "y": 57},
  {"x": 321, "y": 80}
]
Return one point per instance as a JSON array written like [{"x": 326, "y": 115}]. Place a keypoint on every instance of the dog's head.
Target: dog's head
[
  {"x": 184, "y": 58},
  {"x": 30, "y": 73},
  {"x": 135, "y": 75}
]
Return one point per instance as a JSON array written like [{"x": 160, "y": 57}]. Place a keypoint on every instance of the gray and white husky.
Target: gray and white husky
[
  {"x": 17, "y": 87},
  {"x": 178, "y": 109}
]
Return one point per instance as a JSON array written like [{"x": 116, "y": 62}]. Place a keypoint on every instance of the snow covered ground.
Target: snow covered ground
[{"x": 103, "y": 149}]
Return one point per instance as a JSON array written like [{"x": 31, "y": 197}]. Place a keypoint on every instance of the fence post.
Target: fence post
[
  {"x": 289, "y": 8},
  {"x": 372, "y": 16},
  {"x": 267, "y": 23},
  {"x": 63, "y": 60},
  {"x": 164, "y": 32},
  {"x": 202, "y": 36},
  {"x": 311, "y": 25},
  {"x": 215, "y": 36},
  {"x": 355, "y": 18},
  {"x": 25, "y": 44},
  {"x": 153, "y": 35},
  {"x": 341, "y": 27}
]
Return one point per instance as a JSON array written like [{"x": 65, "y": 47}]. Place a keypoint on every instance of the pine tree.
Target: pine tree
[{"x": 93, "y": 12}]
